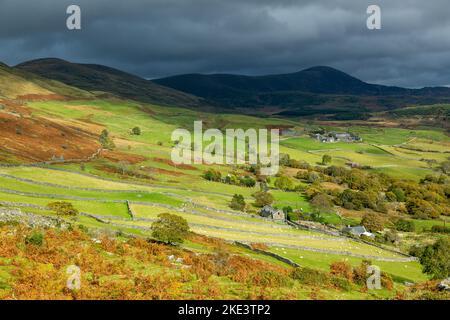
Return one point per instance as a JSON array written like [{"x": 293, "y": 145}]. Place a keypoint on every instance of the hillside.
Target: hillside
[
  {"x": 16, "y": 84},
  {"x": 313, "y": 87},
  {"x": 102, "y": 79}
]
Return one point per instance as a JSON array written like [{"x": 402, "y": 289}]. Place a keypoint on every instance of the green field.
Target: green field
[{"x": 183, "y": 191}]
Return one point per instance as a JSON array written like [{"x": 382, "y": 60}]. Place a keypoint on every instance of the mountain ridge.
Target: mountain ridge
[
  {"x": 99, "y": 78},
  {"x": 321, "y": 87},
  {"x": 314, "y": 74}
]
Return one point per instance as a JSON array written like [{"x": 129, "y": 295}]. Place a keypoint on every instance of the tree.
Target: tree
[
  {"x": 445, "y": 166},
  {"x": 372, "y": 222},
  {"x": 136, "y": 131},
  {"x": 263, "y": 198},
  {"x": 170, "y": 228},
  {"x": 284, "y": 159},
  {"x": 421, "y": 209},
  {"x": 247, "y": 181},
  {"x": 314, "y": 177},
  {"x": 238, "y": 202},
  {"x": 106, "y": 141},
  {"x": 63, "y": 208},
  {"x": 322, "y": 202},
  {"x": 284, "y": 183},
  {"x": 435, "y": 258},
  {"x": 212, "y": 175},
  {"x": 326, "y": 159}
]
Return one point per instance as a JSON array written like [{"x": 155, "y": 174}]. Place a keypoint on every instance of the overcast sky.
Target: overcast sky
[{"x": 156, "y": 38}]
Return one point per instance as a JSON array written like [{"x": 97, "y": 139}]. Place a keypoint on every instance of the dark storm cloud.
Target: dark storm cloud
[{"x": 163, "y": 37}]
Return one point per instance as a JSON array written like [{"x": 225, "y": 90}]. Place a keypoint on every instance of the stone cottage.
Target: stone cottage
[{"x": 270, "y": 212}]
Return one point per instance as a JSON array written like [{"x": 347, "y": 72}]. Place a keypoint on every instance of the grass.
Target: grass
[
  {"x": 402, "y": 271},
  {"x": 422, "y": 225},
  {"x": 380, "y": 150}
]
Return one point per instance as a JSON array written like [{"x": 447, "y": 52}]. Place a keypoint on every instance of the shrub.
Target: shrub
[
  {"x": 237, "y": 202},
  {"x": 405, "y": 225},
  {"x": 247, "y": 181},
  {"x": 360, "y": 272},
  {"x": 390, "y": 196},
  {"x": 399, "y": 194},
  {"x": 314, "y": 177},
  {"x": 341, "y": 283},
  {"x": 36, "y": 239},
  {"x": 386, "y": 281},
  {"x": 440, "y": 229},
  {"x": 270, "y": 279},
  {"x": 391, "y": 237},
  {"x": 310, "y": 276},
  {"x": 293, "y": 216},
  {"x": 342, "y": 269},
  {"x": 212, "y": 175},
  {"x": 421, "y": 209},
  {"x": 326, "y": 159},
  {"x": 136, "y": 131},
  {"x": 170, "y": 228},
  {"x": 63, "y": 208},
  {"x": 263, "y": 198}
]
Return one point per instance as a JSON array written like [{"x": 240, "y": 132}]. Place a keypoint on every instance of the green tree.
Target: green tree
[
  {"x": 322, "y": 202},
  {"x": 326, "y": 158},
  {"x": 136, "y": 131},
  {"x": 170, "y": 228},
  {"x": 372, "y": 222},
  {"x": 263, "y": 198},
  {"x": 238, "y": 202},
  {"x": 106, "y": 141},
  {"x": 435, "y": 258},
  {"x": 284, "y": 183},
  {"x": 247, "y": 181},
  {"x": 212, "y": 175}
]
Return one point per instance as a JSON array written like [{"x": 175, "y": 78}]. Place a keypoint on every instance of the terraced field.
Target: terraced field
[
  {"x": 106, "y": 200},
  {"x": 105, "y": 195}
]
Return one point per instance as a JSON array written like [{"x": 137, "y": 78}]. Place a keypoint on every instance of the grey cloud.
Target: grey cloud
[{"x": 164, "y": 37}]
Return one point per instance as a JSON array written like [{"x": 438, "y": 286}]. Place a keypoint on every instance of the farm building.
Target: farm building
[
  {"x": 270, "y": 212},
  {"x": 358, "y": 231},
  {"x": 335, "y": 137}
]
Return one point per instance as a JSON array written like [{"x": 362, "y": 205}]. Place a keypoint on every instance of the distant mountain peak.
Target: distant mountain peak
[
  {"x": 311, "y": 87},
  {"x": 322, "y": 69}
]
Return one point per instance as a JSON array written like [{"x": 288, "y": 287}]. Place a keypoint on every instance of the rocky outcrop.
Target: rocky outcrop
[
  {"x": 444, "y": 285},
  {"x": 31, "y": 220}
]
